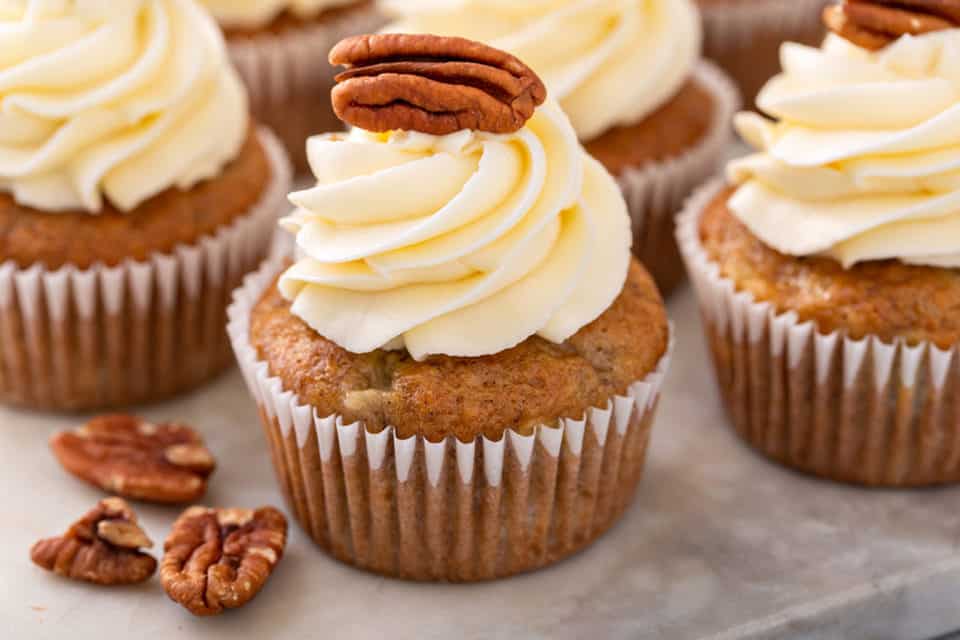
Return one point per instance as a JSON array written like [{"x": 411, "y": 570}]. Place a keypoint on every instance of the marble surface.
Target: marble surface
[{"x": 719, "y": 544}]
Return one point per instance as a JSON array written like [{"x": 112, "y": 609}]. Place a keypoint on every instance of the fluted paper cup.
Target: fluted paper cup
[
  {"x": 289, "y": 79},
  {"x": 860, "y": 411},
  {"x": 105, "y": 337},
  {"x": 449, "y": 510},
  {"x": 745, "y": 37},
  {"x": 656, "y": 193}
]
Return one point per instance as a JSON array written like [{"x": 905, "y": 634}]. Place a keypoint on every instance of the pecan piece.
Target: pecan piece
[
  {"x": 432, "y": 84},
  {"x": 874, "y": 24},
  {"x": 102, "y": 547},
  {"x": 165, "y": 463},
  {"x": 217, "y": 559}
]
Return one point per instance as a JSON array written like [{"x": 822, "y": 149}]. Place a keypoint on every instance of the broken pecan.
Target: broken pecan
[
  {"x": 432, "y": 84},
  {"x": 166, "y": 463},
  {"x": 217, "y": 559},
  {"x": 103, "y": 547},
  {"x": 873, "y": 24}
]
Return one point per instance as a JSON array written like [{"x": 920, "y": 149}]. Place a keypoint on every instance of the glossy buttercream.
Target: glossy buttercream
[
  {"x": 113, "y": 100},
  {"x": 608, "y": 62},
  {"x": 461, "y": 245},
  {"x": 251, "y": 14},
  {"x": 862, "y": 158}
]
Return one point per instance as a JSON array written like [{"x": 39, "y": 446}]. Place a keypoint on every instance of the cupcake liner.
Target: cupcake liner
[
  {"x": 859, "y": 411},
  {"x": 80, "y": 339},
  {"x": 449, "y": 510},
  {"x": 744, "y": 38},
  {"x": 656, "y": 192},
  {"x": 289, "y": 79}
]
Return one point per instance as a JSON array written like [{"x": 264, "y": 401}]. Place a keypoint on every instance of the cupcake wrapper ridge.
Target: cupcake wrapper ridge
[
  {"x": 859, "y": 411},
  {"x": 289, "y": 79},
  {"x": 105, "y": 337},
  {"x": 448, "y": 510},
  {"x": 745, "y": 38},
  {"x": 655, "y": 193}
]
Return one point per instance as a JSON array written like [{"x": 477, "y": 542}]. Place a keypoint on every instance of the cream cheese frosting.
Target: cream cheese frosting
[
  {"x": 862, "y": 161},
  {"x": 609, "y": 62},
  {"x": 461, "y": 245},
  {"x": 250, "y": 14},
  {"x": 115, "y": 100}
]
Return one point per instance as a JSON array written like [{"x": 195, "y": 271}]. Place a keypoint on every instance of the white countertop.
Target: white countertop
[{"x": 718, "y": 544}]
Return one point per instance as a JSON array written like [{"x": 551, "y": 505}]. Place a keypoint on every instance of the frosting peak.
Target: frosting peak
[
  {"x": 608, "y": 62},
  {"x": 462, "y": 245},
  {"x": 120, "y": 100},
  {"x": 863, "y": 161}
]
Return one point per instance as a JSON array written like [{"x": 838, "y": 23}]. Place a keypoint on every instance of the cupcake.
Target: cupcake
[
  {"x": 828, "y": 265},
  {"x": 280, "y": 48},
  {"x": 743, "y": 36},
  {"x": 628, "y": 75},
  {"x": 458, "y": 378},
  {"x": 134, "y": 194}
]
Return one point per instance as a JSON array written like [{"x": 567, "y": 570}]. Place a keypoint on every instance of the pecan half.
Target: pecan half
[
  {"x": 217, "y": 559},
  {"x": 102, "y": 547},
  {"x": 432, "y": 84},
  {"x": 873, "y": 24},
  {"x": 165, "y": 463}
]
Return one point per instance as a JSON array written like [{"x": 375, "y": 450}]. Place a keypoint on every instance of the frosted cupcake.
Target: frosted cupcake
[
  {"x": 458, "y": 377},
  {"x": 743, "y": 36},
  {"x": 280, "y": 48},
  {"x": 134, "y": 195},
  {"x": 829, "y": 265},
  {"x": 628, "y": 74}
]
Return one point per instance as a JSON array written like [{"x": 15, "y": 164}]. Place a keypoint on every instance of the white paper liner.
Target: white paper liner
[
  {"x": 289, "y": 79},
  {"x": 450, "y": 510},
  {"x": 656, "y": 192},
  {"x": 861, "y": 411},
  {"x": 105, "y": 337},
  {"x": 745, "y": 37}
]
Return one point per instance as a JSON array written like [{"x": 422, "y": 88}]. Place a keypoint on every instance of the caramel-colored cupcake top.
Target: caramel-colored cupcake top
[
  {"x": 887, "y": 299},
  {"x": 463, "y": 218},
  {"x": 536, "y": 382},
  {"x": 113, "y": 102},
  {"x": 860, "y": 158}
]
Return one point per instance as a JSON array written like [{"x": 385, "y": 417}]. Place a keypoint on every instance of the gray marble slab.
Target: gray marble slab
[{"x": 719, "y": 544}]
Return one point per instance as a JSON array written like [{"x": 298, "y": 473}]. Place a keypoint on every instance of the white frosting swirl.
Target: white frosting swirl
[
  {"x": 250, "y": 14},
  {"x": 608, "y": 62},
  {"x": 864, "y": 163},
  {"x": 115, "y": 99},
  {"x": 462, "y": 245}
]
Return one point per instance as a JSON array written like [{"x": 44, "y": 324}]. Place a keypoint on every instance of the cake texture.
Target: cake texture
[{"x": 459, "y": 386}]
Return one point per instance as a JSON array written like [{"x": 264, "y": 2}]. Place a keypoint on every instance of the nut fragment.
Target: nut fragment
[
  {"x": 166, "y": 463},
  {"x": 102, "y": 547},
  {"x": 432, "y": 84},
  {"x": 217, "y": 559},
  {"x": 873, "y": 24}
]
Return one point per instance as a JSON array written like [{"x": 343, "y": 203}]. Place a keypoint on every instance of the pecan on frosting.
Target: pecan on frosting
[
  {"x": 873, "y": 24},
  {"x": 432, "y": 84}
]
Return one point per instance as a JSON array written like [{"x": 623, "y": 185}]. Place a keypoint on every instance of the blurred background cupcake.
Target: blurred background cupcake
[
  {"x": 628, "y": 73},
  {"x": 134, "y": 194},
  {"x": 280, "y": 48},
  {"x": 743, "y": 36},
  {"x": 458, "y": 382},
  {"x": 829, "y": 267}
]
